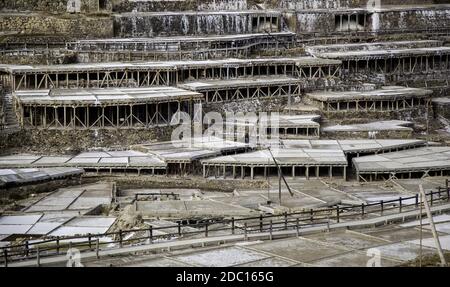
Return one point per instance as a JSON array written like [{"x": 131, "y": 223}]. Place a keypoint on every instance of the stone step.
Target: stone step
[{"x": 11, "y": 124}]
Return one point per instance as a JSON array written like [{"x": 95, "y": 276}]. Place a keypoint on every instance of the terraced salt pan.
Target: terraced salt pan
[
  {"x": 19, "y": 219},
  {"x": 402, "y": 251},
  {"x": 436, "y": 219},
  {"x": 222, "y": 257},
  {"x": 444, "y": 241}
]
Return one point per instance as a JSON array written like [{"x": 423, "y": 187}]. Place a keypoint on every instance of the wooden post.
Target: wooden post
[
  {"x": 382, "y": 206},
  {"x": 417, "y": 200},
  {"x": 150, "y": 233},
  {"x": 297, "y": 226},
  {"x": 431, "y": 198},
  {"x": 260, "y": 223},
  {"x": 5, "y": 254},
  {"x": 120, "y": 238},
  {"x": 97, "y": 247},
  {"x": 362, "y": 209},
  {"x": 270, "y": 229},
  {"x": 285, "y": 221},
  {"x": 311, "y": 211},
  {"x": 38, "y": 259},
  {"x": 245, "y": 232},
  {"x": 90, "y": 243},
  {"x": 400, "y": 203},
  {"x": 337, "y": 213},
  {"x": 179, "y": 228},
  {"x": 27, "y": 249},
  {"x": 232, "y": 225},
  {"x": 206, "y": 230},
  {"x": 57, "y": 245},
  {"x": 447, "y": 190}
]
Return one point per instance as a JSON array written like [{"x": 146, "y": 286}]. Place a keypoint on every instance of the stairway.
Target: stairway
[{"x": 11, "y": 124}]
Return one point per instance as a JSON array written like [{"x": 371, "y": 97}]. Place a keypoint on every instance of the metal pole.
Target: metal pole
[
  {"x": 279, "y": 186},
  {"x": 421, "y": 231},
  {"x": 280, "y": 175}
]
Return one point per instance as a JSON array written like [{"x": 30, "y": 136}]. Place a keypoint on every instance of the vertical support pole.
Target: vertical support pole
[
  {"x": 417, "y": 200},
  {"x": 400, "y": 204},
  {"x": 206, "y": 229},
  {"x": 179, "y": 228},
  {"x": 90, "y": 243},
  {"x": 362, "y": 209},
  {"x": 382, "y": 206},
  {"x": 120, "y": 238},
  {"x": 297, "y": 226},
  {"x": 232, "y": 225}
]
